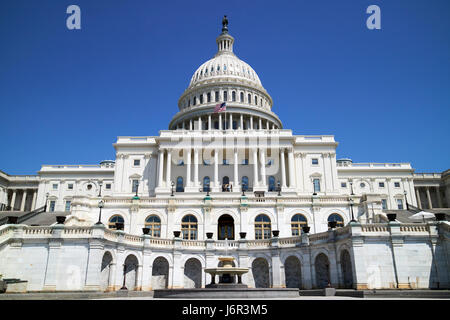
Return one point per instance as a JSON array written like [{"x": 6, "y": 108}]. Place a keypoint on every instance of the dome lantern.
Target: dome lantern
[{"x": 224, "y": 40}]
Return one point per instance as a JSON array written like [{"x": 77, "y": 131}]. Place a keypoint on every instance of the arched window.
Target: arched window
[
  {"x": 189, "y": 227},
  {"x": 272, "y": 183},
  {"x": 195, "y": 101},
  {"x": 256, "y": 100},
  {"x": 206, "y": 182},
  {"x": 242, "y": 97},
  {"x": 233, "y": 96},
  {"x": 336, "y": 217},
  {"x": 225, "y": 184},
  {"x": 297, "y": 222},
  {"x": 249, "y": 98},
  {"x": 262, "y": 227},
  {"x": 112, "y": 221},
  {"x": 201, "y": 98},
  {"x": 180, "y": 187},
  {"x": 208, "y": 96},
  {"x": 216, "y": 96},
  {"x": 244, "y": 183},
  {"x": 154, "y": 224},
  {"x": 225, "y": 96}
]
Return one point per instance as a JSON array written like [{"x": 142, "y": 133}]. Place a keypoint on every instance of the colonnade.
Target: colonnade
[
  {"x": 429, "y": 202},
  {"x": 258, "y": 161},
  {"x": 11, "y": 204},
  {"x": 225, "y": 122}
]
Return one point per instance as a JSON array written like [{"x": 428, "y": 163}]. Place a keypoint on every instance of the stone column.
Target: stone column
[
  {"x": 260, "y": 124},
  {"x": 199, "y": 123},
  {"x": 13, "y": 199},
  {"x": 291, "y": 168},
  {"x": 161, "y": 167},
  {"x": 255, "y": 167},
  {"x": 182, "y": 125},
  {"x": 216, "y": 168},
  {"x": 190, "y": 124},
  {"x": 236, "y": 174},
  {"x": 419, "y": 202},
  {"x": 251, "y": 122},
  {"x": 283, "y": 169},
  {"x": 230, "y": 127},
  {"x": 188, "y": 167},
  {"x": 430, "y": 204},
  {"x": 242, "y": 122},
  {"x": 33, "y": 203},
  {"x": 263, "y": 166},
  {"x": 209, "y": 122},
  {"x": 220, "y": 121},
  {"x": 24, "y": 197},
  {"x": 169, "y": 166},
  {"x": 196, "y": 167}
]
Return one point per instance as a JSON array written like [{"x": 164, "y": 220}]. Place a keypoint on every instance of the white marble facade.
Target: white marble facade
[{"x": 231, "y": 172}]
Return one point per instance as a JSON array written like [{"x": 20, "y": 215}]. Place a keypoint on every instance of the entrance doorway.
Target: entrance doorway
[{"x": 226, "y": 227}]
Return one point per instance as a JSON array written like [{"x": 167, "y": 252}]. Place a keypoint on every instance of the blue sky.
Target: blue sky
[{"x": 66, "y": 95}]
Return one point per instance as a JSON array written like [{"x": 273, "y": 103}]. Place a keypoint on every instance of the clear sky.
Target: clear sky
[{"x": 65, "y": 95}]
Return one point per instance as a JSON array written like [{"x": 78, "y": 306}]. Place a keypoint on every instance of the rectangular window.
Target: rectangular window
[
  {"x": 225, "y": 96},
  {"x": 343, "y": 184},
  {"x": 135, "y": 185},
  {"x": 397, "y": 184},
  {"x": 67, "y": 208},
  {"x": 217, "y": 96},
  {"x": 70, "y": 186},
  {"x": 52, "y": 205},
  {"x": 108, "y": 186},
  {"x": 55, "y": 186},
  {"x": 209, "y": 96},
  {"x": 316, "y": 185},
  {"x": 315, "y": 161},
  {"x": 137, "y": 162},
  {"x": 400, "y": 204},
  {"x": 381, "y": 184},
  {"x": 384, "y": 204},
  {"x": 245, "y": 161},
  {"x": 226, "y": 162}
]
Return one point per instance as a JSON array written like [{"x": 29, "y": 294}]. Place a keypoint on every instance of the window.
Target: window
[
  {"x": 208, "y": 96},
  {"x": 362, "y": 185},
  {"x": 343, "y": 184},
  {"x": 189, "y": 227},
  {"x": 314, "y": 161},
  {"x": 154, "y": 224},
  {"x": 225, "y": 184},
  {"x": 384, "y": 204},
  {"x": 52, "y": 205},
  {"x": 225, "y": 96},
  {"x": 297, "y": 222},
  {"x": 137, "y": 162},
  {"x": 108, "y": 186},
  {"x": 201, "y": 98},
  {"x": 217, "y": 96},
  {"x": 242, "y": 97},
  {"x": 337, "y": 218},
  {"x": 180, "y": 187},
  {"x": 272, "y": 183},
  {"x": 206, "y": 183},
  {"x": 244, "y": 183},
  {"x": 233, "y": 96},
  {"x": 381, "y": 184},
  {"x": 181, "y": 162},
  {"x": 225, "y": 162},
  {"x": 112, "y": 221},
  {"x": 256, "y": 100},
  {"x": 67, "y": 208},
  {"x": 245, "y": 161},
  {"x": 206, "y": 162},
  {"x": 249, "y": 98},
  {"x": 316, "y": 183},
  {"x": 55, "y": 186},
  {"x": 270, "y": 162},
  {"x": 89, "y": 186},
  {"x": 70, "y": 186},
  {"x": 262, "y": 227},
  {"x": 400, "y": 204},
  {"x": 195, "y": 101},
  {"x": 135, "y": 186},
  {"x": 397, "y": 184}
]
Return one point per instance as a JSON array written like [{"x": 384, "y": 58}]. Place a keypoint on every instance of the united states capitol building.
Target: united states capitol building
[{"x": 226, "y": 168}]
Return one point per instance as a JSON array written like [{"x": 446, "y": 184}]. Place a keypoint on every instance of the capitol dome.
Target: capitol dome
[{"x": 225, "y": 79}]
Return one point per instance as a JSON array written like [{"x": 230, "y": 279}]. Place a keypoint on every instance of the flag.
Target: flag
[{"x": 220, "y": 107}]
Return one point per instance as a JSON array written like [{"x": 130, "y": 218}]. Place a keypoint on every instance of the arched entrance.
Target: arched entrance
[
  {"x": 105, "y": 271},
  {"x": 292, "y": 272},
  {"x": 260, "y": 271},
  {"x": 322, "y": 266},
  {"x": 346, "y": 266},
  {"x": 225, "y": 227},
  {"x": 131, "y": 266},
  {"x": 160, "y": 273},
  {"x": 192, "y": 274}
]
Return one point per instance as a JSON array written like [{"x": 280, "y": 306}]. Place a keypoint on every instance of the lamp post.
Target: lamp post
[
  {"x": 207, "y": 190},
  {"x": 46, "y": 201},
  {"x": 137, "y": 188},
  {"x": 100, "y": 206},
  {"x": 100, "y": 189},
  {"x": 279, "y": 188},
  {"x": 172, "y": 184},
  {"x": 406, "y": 200},
  {"x": 124, "y": 277},
  {"x": 351, "y": 188},
  {"x": 351, "y": 210}
]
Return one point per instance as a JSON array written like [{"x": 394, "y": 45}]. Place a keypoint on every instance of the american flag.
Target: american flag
[{"x": 220, "y": 107}]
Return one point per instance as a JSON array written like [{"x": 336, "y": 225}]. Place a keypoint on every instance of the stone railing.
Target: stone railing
[
  {"x": 77, "y": 231},
  {"x": 111, "y": 235},
  {"x": 258, "y": 243},
  {"x": 193, "y": 243},
  {"x": 38, "y": 231},
  {"x": 289, "y": 242},
  {"x": 376, "y": 227},
  {"x": 318, "y": 236},
  {"x": 413, "y": 227},
  {"x": 133, "y": 239}
]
